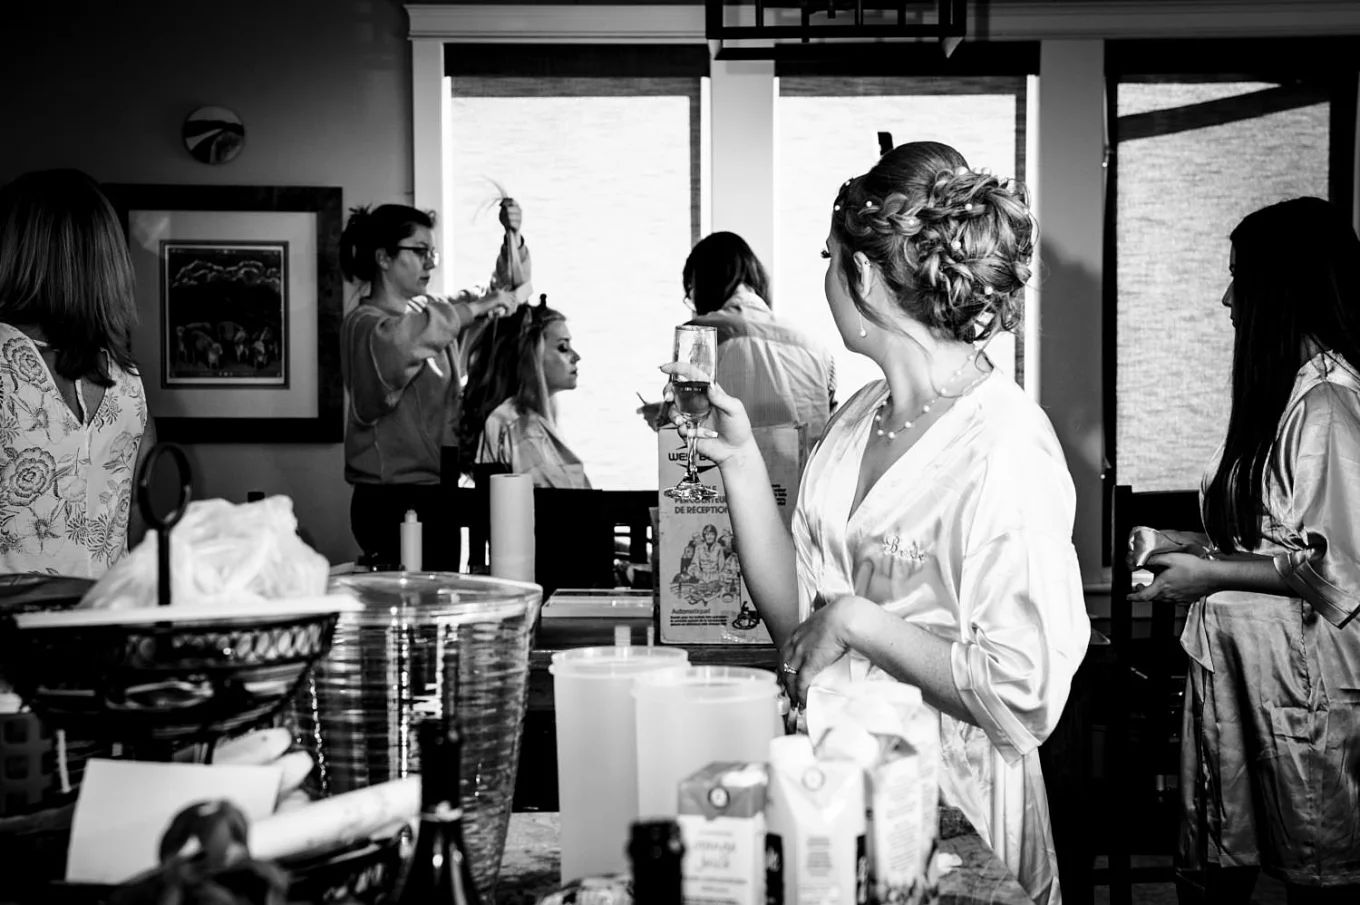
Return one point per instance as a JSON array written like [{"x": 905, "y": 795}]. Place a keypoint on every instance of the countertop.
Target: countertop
[{"x": 531, "y": 863}]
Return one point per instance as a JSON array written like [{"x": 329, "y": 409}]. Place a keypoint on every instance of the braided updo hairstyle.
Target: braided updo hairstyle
[{"x": 953, "y": 246}]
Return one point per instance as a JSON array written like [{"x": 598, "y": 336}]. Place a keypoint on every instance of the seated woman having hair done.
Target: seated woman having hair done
[{"x": 509, "y": 417}]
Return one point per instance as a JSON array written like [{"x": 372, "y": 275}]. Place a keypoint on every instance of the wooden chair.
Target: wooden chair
[
  {"x": 575, "y": 530},
  {"x": 1143, "y": 743}
]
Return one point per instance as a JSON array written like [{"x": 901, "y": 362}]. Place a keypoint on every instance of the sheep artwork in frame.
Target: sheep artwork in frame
[{"x": 224, "y": 314}]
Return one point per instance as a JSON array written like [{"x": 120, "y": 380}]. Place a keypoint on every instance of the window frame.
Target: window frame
[{"x": 1307, "y": 64}]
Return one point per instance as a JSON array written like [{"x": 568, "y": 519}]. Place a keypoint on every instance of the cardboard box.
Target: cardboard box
[
  {"x": 703, "y": 599},
  {"x": 722, "y": 822}
]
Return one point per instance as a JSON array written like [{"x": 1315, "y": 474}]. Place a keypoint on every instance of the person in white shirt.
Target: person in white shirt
[{"x": 781, "y": 375}]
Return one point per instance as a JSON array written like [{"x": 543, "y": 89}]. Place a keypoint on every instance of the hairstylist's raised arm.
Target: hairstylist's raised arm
[{"x": 764, "y": 544}]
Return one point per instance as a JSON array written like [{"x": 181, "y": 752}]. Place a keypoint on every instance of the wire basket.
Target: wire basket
[
  {"x": 160, "y": 674},
  {"x": 179, "y": 678}
]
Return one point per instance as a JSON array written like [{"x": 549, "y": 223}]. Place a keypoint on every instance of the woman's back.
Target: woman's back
[{"x": 65, "y": 476}]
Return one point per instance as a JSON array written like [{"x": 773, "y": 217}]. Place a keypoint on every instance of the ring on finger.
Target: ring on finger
[{"x": 784, "y": 667}]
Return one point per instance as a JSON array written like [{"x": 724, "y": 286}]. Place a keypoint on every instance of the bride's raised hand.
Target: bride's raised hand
[{"x": 725, "y": 431}]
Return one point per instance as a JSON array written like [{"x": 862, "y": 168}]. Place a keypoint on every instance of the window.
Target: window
[
  {"x": 599, "y": 145},
  {"x": 1195, "y": 153},
  {"x": 827, "y": 132}
]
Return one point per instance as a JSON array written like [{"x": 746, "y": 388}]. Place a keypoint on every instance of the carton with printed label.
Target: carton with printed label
[
  {"x": 815, "y": 849},
  {"x": 722, "y": 821}
]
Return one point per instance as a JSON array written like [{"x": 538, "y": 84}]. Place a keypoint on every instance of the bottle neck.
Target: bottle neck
[{"x": 658, "y": 882}]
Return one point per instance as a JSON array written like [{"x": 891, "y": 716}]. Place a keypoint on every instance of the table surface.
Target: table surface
[{"x": 531, "y": 864}]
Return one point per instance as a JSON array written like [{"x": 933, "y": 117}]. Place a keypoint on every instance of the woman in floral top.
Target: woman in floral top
[{"x": 73, "y": 416}]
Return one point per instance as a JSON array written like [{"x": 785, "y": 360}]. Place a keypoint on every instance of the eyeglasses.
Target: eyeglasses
[
  {"x": 689, "y": 303},
  {"x": 428, "y": 254}
]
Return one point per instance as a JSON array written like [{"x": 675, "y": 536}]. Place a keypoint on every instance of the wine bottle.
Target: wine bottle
[
  {"x": 656, "y": 851},
  {"x": 440, "y": 872}
]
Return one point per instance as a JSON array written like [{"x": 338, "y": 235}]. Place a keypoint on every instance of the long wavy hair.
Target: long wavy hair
[
  {"x": 505, "y": 361},
  {"x": 1282, "y": 300},
  {"x": 65, "y": 266}
]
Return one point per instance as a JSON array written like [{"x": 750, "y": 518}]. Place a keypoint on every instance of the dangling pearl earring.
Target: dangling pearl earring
[{"x": 862, "y": 331}]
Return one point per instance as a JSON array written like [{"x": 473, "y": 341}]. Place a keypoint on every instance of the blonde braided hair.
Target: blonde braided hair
[{"x": 953, "y": 245}]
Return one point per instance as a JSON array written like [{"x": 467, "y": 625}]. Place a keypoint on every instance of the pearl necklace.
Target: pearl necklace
[{"x": 892, "y": 435}]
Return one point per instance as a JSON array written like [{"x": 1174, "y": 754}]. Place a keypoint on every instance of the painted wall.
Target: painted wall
[{"x": 323, "y": 87}]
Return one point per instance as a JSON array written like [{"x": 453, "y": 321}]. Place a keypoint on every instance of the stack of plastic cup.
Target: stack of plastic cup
[
  {"x": 597, "y": 751},
  {"x": 689, "y": 718}
]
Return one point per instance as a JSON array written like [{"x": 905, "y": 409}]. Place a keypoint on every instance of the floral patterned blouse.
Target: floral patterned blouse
[{"x": 65, "y": 480}]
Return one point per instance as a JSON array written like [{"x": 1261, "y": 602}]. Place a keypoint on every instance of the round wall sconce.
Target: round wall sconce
[{"x": 214, "y": 134}]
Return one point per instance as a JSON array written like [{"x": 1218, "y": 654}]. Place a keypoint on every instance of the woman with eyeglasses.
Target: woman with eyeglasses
[
  {"x": 515, "y": 370},
  {"x": 400, "y": 357}
]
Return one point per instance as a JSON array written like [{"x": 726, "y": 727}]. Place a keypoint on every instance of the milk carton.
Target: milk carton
[
  {"x": 722, "y": 821},
  {"x": 886, "y": 729},
  {"x": 815, "y": 849},
  {"x": 702, "y": 597}
]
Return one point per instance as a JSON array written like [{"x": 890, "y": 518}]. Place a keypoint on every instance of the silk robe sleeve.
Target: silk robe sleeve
[
  {"x": 1023, "y": 623},
  {"x": 1318, "y": 455}
]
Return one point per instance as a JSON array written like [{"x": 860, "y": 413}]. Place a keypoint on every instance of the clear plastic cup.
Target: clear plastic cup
[
  {"x": 597, "y": 751},
  {"x": 693, "y": 716}
]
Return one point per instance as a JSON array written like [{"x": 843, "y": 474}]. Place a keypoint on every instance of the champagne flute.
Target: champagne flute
[{"x": 696, "y": 347}]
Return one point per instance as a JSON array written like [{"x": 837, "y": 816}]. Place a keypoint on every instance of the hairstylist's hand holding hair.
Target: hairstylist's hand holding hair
[
  {"x": 511, "y": 216},
  {"x": 496, "y": 303},
  {"x": 732, "y": 437}
]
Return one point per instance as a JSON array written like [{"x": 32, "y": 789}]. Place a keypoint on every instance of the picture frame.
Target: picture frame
[{"x": 240, "y": 302}]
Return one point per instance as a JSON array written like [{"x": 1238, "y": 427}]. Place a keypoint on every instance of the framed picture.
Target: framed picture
[
  {"x": 239, "y": 300},
  {"x": 224, "y": 310}
]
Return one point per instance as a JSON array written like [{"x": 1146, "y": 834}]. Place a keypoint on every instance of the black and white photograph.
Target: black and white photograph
[
  {"x": 680, "y": 452},
  {"x": 225, "y": 313}
]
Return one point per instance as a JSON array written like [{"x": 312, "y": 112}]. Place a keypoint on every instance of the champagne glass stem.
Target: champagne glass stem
[{"x": 691, "y": 473}]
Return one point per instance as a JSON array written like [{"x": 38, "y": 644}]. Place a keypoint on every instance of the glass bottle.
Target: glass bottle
[
  {"x": 440, "y": 872},
  {"x": 656, "y": 852}
]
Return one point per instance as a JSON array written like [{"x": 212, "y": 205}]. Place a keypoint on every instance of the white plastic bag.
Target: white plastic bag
[{"x": 221, "y": 553}]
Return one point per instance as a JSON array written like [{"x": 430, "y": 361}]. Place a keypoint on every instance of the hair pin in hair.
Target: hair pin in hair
[
  {"x": 835, "y": 207},
  {"x": 987, "y": 290},
  {"x": 956, "y": 245},
  {"x": 961, "y": 171},
  {"x": 847, "y": 182},
  {"x": 911, "y": 224},
  {"x": 868, "y": 205},
  {"x": 968, "y": 208}
]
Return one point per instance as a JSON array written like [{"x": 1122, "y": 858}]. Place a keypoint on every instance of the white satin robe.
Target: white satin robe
[{"x": 968, "y": 535}]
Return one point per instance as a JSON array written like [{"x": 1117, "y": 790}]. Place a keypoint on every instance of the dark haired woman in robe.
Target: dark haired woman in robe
[{"x": 1270, "y": 756}]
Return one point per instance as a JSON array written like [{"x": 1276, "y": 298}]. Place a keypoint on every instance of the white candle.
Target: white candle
[{"x": 512, "y": 526}]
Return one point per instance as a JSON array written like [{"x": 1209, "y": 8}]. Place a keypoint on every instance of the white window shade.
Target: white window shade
[
  {"x": 604, "y": 169},
  {"x": 1194, "y": 157}
]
